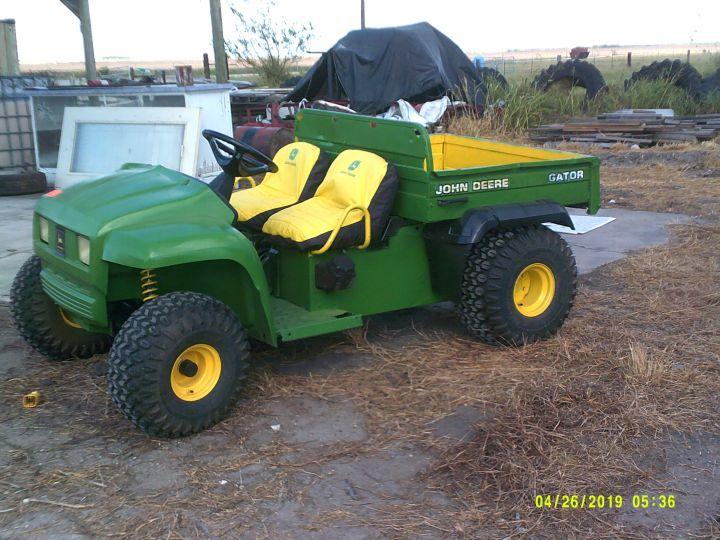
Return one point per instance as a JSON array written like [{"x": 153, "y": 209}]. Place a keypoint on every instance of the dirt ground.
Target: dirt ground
[{"x": 408, "y": 428}]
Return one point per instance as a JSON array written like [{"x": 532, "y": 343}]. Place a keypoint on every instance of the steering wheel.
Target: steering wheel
[{"x": 237, "y": 158}]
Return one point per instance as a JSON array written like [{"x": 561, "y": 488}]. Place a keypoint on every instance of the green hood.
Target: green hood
[{"x": 135, "y": 196}]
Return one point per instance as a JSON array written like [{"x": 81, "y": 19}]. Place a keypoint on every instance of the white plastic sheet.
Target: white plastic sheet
[
  {"x": 430, "y": 112},
  {"x": 583, "y": 224}
]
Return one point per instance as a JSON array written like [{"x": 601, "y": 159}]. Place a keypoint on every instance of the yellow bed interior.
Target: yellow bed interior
[{"x": 454, "y": 152}]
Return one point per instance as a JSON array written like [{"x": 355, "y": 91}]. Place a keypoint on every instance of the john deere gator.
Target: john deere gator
[{"x": 358, "y": 216}]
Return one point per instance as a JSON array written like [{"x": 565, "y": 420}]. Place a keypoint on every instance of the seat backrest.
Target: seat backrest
[
  {"x": 354, "y": 178},
  {"x": 360, "y": 178},
  {"x": 300, "y": 171}
]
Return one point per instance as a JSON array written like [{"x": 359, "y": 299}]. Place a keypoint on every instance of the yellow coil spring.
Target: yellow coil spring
[{"x": 148, "y": 285}]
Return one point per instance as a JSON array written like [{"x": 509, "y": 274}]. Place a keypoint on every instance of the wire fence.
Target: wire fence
[{"x": 615, "y": 64}]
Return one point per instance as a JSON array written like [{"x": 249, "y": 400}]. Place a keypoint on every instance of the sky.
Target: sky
[{"x": 180, "y": 29}]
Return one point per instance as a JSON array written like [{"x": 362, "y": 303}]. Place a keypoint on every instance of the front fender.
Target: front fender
[{"x": 205, "y": 249}]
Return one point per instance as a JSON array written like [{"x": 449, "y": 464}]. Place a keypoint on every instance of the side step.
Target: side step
[{"x": 293, "y": 322}]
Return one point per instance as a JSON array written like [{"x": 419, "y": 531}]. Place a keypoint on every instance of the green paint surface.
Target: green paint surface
[{"x": 149, "y": 217}]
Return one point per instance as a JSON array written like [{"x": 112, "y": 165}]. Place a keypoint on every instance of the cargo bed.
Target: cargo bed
[{"x": 442, "y": 176}]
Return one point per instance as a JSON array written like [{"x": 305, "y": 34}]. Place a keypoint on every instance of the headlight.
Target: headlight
[
  {"x": 44, "y": 230},
  {"x": 83, "y": 245}
]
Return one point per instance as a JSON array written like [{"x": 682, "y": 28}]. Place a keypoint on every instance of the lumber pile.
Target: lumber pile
[{"x": 641, "y": 127}]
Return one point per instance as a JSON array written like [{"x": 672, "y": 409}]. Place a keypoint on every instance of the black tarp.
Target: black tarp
[{"x": 374, "y": 67}]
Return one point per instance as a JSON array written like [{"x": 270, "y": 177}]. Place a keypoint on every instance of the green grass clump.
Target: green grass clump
[{"x": 521, "y": 106}]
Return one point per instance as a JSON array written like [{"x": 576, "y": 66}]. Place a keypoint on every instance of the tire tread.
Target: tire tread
[
  {"x": 141, "y": 346},
  {"x": 28, "y": 310},
  {"x": 481, "y": 308}
]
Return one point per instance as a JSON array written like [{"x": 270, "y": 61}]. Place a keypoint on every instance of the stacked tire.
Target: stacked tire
[
  {"x": 492, "y": 76},
  {"x": 22, "y": 183},
  {"x": 574, "y": 73},
  {"x": 680, "y": 73},
  {"x": 710, "y": 84}
]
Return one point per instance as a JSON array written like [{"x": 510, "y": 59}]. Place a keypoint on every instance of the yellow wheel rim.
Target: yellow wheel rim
[
  {"x": 534, "y": 290},
  {"x": 196, "y": 372},
  {"x": 67, "y": 320}
]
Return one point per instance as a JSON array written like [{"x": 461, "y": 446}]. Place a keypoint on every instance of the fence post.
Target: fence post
[
  {"x": 206, "y": 66},
  {"x": 221, "y": 71},
  {"x": 688, "y": 56},
  {"x": 629, "y": 59}
]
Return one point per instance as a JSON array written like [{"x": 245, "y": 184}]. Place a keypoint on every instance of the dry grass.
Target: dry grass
[
  {"x": 646, "y": 367},
  {"x": 663, "y": 188},
  {"x": 640, "y": 358}
]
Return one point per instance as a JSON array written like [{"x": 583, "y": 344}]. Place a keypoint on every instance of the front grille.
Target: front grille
[{"x": 69, "y": 295}]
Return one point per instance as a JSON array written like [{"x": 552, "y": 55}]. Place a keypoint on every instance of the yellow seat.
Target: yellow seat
[
  {"x": 301, "y": 169},
  {"x": 351, "y": 206}
]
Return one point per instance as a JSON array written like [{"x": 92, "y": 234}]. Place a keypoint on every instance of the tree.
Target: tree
[{"x": 268, "y": 44}]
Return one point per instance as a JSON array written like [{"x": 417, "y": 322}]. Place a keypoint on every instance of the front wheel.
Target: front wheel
[
  {"x": 518, "y": 286},
  {"x": 44, "y": 325},
  {"x": 177, "y": 364}
]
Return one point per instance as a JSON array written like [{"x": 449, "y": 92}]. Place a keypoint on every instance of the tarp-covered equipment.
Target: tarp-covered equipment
[{"x": 375, "y": 67}]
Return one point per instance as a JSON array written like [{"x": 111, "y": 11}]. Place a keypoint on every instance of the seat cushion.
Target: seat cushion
[
  {"x": 355, "y": 178},
  {"x": 301, "y": 169}
]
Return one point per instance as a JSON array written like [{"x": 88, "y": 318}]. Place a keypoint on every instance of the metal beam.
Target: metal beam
[
  {"x": 86, "y": 29},
  {"x": 81, "y": 9},
  {"x": 72, "y": 5},
  {"x": 362, "y": 14},
  {"x": 9, "y": 64},
  {"x": 221, "y": 68}
]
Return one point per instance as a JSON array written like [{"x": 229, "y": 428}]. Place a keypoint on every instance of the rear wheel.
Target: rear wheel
[
  {"x": 48, "y": 328},
  {"x": 518, "y": 286},
  {"x": 177, "y": 364}
]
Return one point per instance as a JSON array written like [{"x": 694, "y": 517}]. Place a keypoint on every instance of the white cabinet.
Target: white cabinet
[{"x": 48, "y": 107}]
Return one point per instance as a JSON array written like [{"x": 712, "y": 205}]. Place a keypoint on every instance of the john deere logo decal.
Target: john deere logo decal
[
  {"x": 60, "y": 240},
  {"x": 293, "y": 153},
  {"x": 354, "y": 165}
]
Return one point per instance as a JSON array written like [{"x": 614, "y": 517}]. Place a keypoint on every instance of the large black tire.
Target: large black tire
[
  {"x": 43, "y": 325},
  {"x": 573, "y": 73},
  {"x": 488, "y": 307},
  {"x": 710, "y": 84},
  {"x": 488, "y": 74},
  {"x": 291, "y": 82},
  {"x": 145, "y": 367},
  {"x": 682, "y": 74},
  {"x": 22, "y": 183}
]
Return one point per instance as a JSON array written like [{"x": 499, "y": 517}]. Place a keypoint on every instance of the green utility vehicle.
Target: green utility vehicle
[{"x": 359, "y": 216}]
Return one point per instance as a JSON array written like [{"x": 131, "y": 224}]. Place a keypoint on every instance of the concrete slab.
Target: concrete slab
[
  {"x": 631, "y": 230},
  {"x": 15, "y": 237}
]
